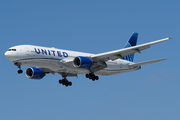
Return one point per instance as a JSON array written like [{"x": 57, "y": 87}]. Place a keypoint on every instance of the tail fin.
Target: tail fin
[{"x": 131, "y": 42}]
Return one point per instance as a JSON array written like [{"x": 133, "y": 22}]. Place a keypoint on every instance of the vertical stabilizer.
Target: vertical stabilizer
[{"x": 131, "y": 42}]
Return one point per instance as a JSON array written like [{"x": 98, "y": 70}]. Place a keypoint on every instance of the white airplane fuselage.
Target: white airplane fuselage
[
  {"x": 55, "y": 60},
  {"x": 44, "y": 60}
]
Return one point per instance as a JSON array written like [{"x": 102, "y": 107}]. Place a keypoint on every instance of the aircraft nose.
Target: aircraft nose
[
  {"x": 9, "y": 55},
  {"x": 6, "y": 54}
]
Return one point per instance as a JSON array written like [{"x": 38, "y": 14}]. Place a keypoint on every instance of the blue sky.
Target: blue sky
[{"x": 95, "y": 26}]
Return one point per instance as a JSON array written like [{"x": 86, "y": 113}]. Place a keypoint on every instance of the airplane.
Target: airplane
[{"x": 68, "y": 63}]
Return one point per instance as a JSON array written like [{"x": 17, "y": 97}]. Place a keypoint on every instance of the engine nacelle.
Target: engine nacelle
[
  {"x": 82, "y": 62},
  {"x": 35, "y": 73}
]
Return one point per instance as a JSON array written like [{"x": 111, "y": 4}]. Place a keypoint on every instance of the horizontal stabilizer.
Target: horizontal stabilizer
[{"x": 146, "y": 62}]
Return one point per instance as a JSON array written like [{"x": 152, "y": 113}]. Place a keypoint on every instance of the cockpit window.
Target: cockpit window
[{"x": 12, "y": 50}]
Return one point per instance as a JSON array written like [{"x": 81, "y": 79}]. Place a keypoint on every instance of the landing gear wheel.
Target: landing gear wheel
[
  {"x": 92, "y": 76},
  {"x": 60, "y": 81},
  {"x": 65, "y": 82},
  {"x": 20, "y": 71},
  {"x": 69, "y": 83},
  {"x": 96, "y": 77},
  {"x": 87, "y": 76}
]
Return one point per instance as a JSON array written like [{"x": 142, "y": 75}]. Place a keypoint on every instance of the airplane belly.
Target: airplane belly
[{"x": 52, "y": 64}]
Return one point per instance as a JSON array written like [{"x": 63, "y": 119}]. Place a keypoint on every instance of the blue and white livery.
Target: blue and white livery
[{"x": 70, "y": 63}]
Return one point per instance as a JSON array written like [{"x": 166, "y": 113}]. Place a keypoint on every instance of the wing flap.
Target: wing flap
[{"x": 98, "y": 66}]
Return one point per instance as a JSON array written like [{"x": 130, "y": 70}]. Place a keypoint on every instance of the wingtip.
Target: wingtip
[
  {"x": 164, "y": 59},
  {"x": 171, "y": 37}
]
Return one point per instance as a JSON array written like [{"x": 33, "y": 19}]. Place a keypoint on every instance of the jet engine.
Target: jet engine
[
  {"x": 35, "y": 73},
  {"x": 82, "y": 62}
]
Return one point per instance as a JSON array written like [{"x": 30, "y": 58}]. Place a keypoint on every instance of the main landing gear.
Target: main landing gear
[
  {"x": 19, "y": 66},
  {"x": 92, "y": 76},
  {"x": 65, "y": 82}
]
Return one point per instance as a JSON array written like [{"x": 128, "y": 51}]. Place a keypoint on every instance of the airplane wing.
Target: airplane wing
[{"x": 113, "y": 55}]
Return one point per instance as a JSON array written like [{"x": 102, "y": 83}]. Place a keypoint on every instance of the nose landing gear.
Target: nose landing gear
[{"x": 19, "y": 66}]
